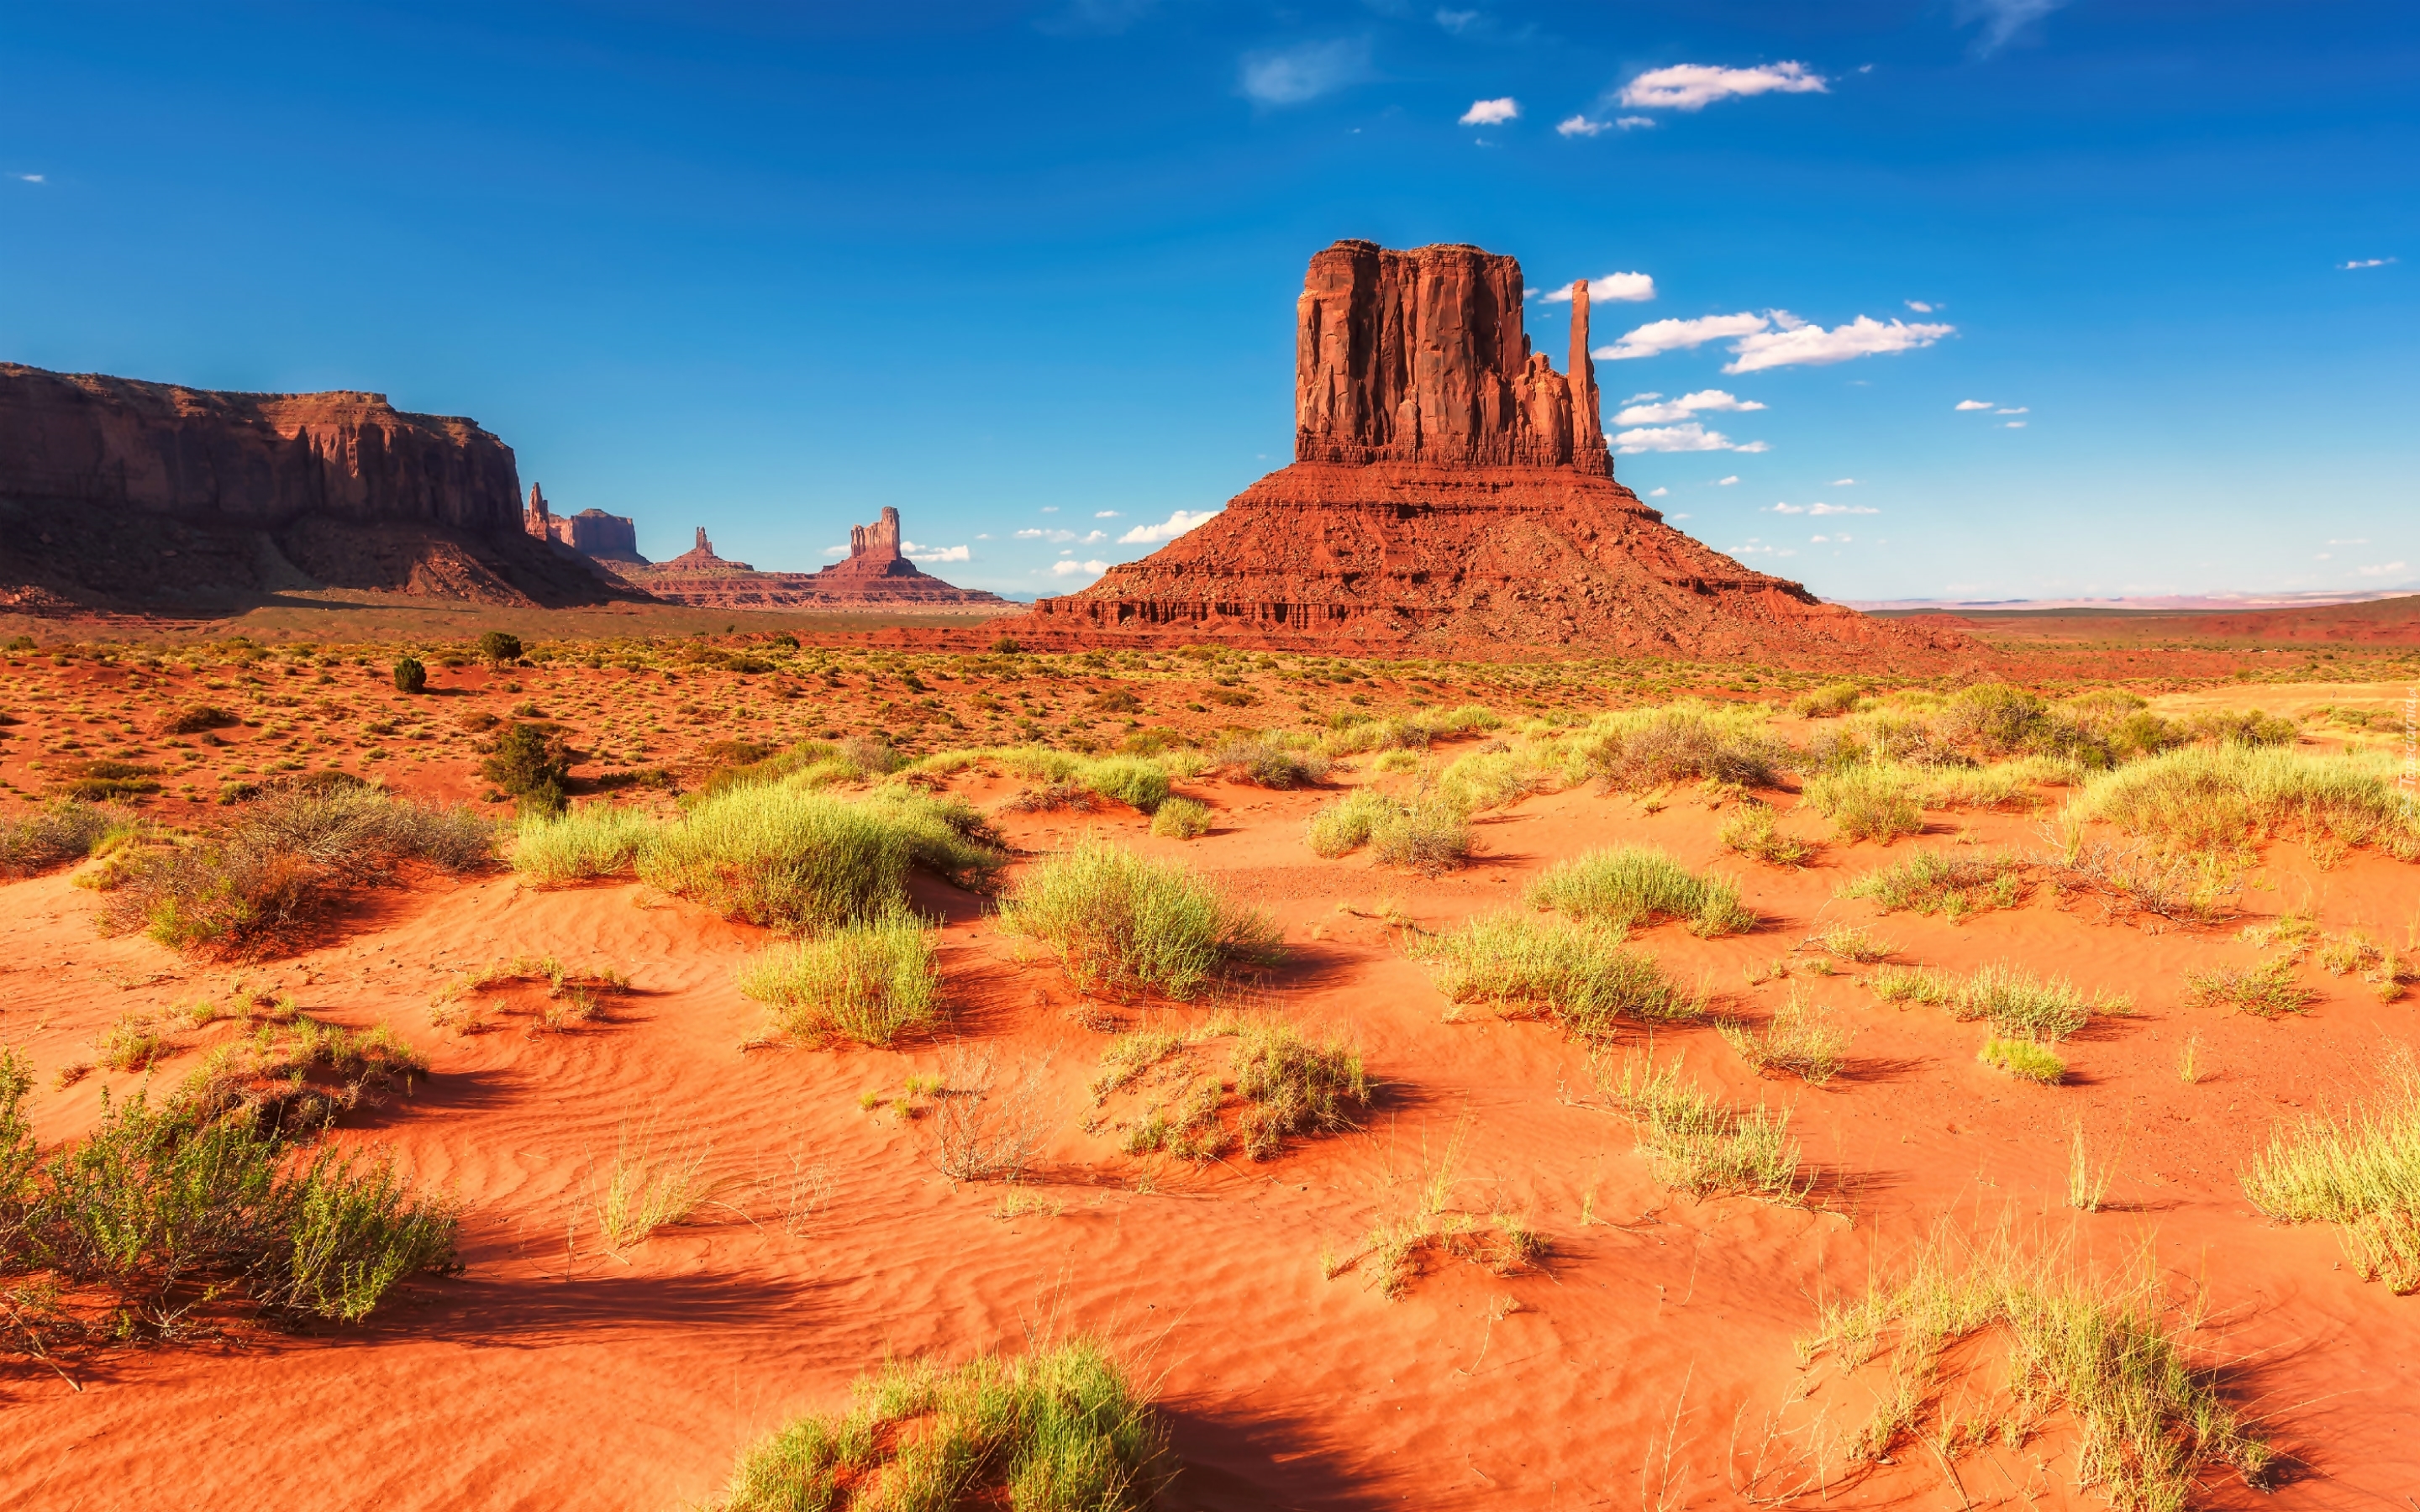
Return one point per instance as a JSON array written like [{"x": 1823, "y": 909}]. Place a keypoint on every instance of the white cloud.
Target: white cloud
[
  {"x": 1619, "y": 288},
  {"x": 1047, "y": 509},
  {"x": 1683, "y": 407},
  {"x": 2016, "y": 424},
  {"x": 2019, "y": 410},
  {"x": 1630, "y": 123},
  {"x": 1974, "y": 404},
  {"x": 1045, "y": 535},
  {"x": 1105, "y": 514},
  {"x": 1491, "y": 112},
  {"x": 1166, "y": 530},
  {"x": 1689, "y": 438},
  {"x": 1819, "y": 509},
  {"x": 1581, "y": 126},
  {"x": 1297, "y": 74},
  {"x": 1725, "y": 483},
  {"x": 1845, "y": 483},
  {"x": 1455, "y": 21},
  {"x": 985, "y": 536},
  {"x": 37, "y": 179},
  {"x": 935, "y": 553},
  {"x": 1091, "y": 536},
  {"x": 1798, "y": 343},
  {"x": 2324, "y": 556},
  {"x": 1918, "y": 306},
  {"x": 1833, "y": 540},
  {"x": 1695, "y": 85},
  {"x": 2382, "y": 570},
  {"x": 1658, "y": 336},
  {"x": 2358, "y": 262},
  {"x": 1675, "y": 516},
  {"x": 1069, "y": 569},
  {"x": 1657, "y": 493},
  {"x": 2002, "y": 19},
  {"x": 835, "y": 550},
  {"x": 2351, "y": 540}
]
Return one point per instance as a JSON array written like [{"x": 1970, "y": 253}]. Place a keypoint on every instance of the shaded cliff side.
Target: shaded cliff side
[{"x": 116, "y": 493}]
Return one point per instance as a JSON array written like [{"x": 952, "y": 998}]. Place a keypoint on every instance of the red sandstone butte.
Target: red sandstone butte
[
  {"x": 119, "y": 493},
  {"x": 876, "y": 576},
  {"x": 1451, "y": 491}
]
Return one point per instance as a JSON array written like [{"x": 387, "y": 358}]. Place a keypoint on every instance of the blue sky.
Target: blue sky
[{"x": 1031, "y": 268}]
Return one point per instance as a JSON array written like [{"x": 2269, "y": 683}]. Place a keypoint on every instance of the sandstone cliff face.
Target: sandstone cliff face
[
  {"x": 120, "y": 493},
  {"x": 1451, "y": 493},
  {"x": 1421, "y": 355}
]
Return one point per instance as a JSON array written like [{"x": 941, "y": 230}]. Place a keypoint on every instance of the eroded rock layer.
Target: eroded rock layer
[
  {"x": 120, "y": 493},
  {"x": 875, "y": 576},
  {"x": 1452, "y": 492}
]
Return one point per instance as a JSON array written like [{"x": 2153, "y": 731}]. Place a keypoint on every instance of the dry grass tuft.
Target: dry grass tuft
[
  {"x": 1939, "y": 882},
  {"x": 1637, "y": 884},
  {"x": 2359, "y": 1170},
  {"x": 871, "y": 982},
  {"x": 2266, "y": 991},
  {"x": 1576, "y": 973},
  {"x": 1800, "y": 1038},
  {"x": 573, "y": 997},
  {"x": 1696, "y": 1145},
  {"x": 1754, "y": 832},
  {"x": 1125, "y": 924}
]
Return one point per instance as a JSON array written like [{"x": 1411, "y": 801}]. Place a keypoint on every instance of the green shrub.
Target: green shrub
[
  {"x": 870, "y": 982},
  {"x": 195, "y": 717},
  {"x": 1181, "y": 819},
  {"x": 595, "y": 839},
  {"x": 1688, "y": 740},
  {"x": 1428, "y": 834},
  {"x": 2024, "y": 1059},
  {"x": 1575, "y": 973},
  {"x": 1124, "y": 924},
  {"x": 1829, "y": 701},
  {"x": 2227, "y": 796},
  {"x": 283, "y": 860},
  {"x": 1635, "y": 885},
  {"x": 1347, "y": 823},
  {"x": 1484, "y": 780},
  {"x": 530, "y": 763},
  {"x": 1061, "y": 1429},
  {"x": 60, "y": 831},
  {"x": 1270, "y": 763},
  {"x": 2018, "y": 1003},
  {"x": 2266, "y": 991},
  {"x": 1752, "y": 831},
  {"x": 786, "y": 858},
  {"x": 499, "y": 647},
  {"x": 1139, "y": 785},
  {"x": 1866, "y": 803},
  {"x": 2360, "y": 1171},
  {"x": 1294, "y": 1087},
  {"x": 410, "y": 675},
  {"x": 1941, "y": 882}
]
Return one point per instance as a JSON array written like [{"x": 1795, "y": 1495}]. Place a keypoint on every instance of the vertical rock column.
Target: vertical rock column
[{"x": 1588, "y": 427}]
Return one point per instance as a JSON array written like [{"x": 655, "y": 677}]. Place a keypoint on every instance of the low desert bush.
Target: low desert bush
[
  {"x": 283, "y": 860},
  {"x": 987, "y": 1126},
  {"x": 1637, "y": 885},
  {"x": 2024, "y": 1059},
  {"x": 1269, "y": 763},
  {"x": 1181, "y": 819},
  {"x": 1854, "y": 942},
  {"x": 1800, "y": 1038},
  {"x": 2359, "y": 1170},
  {"x": 1064, "y": 1429},
  {"x": 2265, "y": 991},
  {"x": 1430, "y": 834},
  {"x": 1122, "y": 923},
  {"x": 871, "y": 981},
  {"x": 2151, "y": 1425},
  {"x": 2227, "y": 796},
  {"x": 595, "y": 840},
  {"x": 1635, "y": 748},
  {"x": 530, "y": 763},
  {"x": 1943, "y": 882},
  {"x": 168, "y": 1208},
  {"x": 1347, "y": 823},
  {"x": 1576, "y": 973},
  {"x": 2017, "y": 1003},
  {"x": 796, "y": 860},
  {"x": 1484, "y": 780},
  {"x": 1752, "y": 831},
  {"x": 1866, "y": 802},
  {"x": 1829, "y": 701},
  {"x": 1294, "y": 1087},
  {"x": 195, "y": 717},
  {"x": 410, "y": 676},
  {"x": 54, "y": 835},
  {"x": 1694, "y": 1144},
  {"x": 500, "y": 647}
]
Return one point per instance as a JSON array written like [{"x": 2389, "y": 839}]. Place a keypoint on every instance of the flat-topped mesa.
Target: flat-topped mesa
[{"x": 1419, "y": 356}]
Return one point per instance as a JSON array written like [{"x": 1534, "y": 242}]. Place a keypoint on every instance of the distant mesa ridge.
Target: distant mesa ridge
[
  {"x": 875, "y": 575},
  {"x": 1450, "y": 492},
  {"x": 117, "y": 493},
  {"x": 591, "y": 532}
]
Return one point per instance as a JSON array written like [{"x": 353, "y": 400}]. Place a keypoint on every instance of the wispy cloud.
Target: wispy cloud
[
  {"x": 2384, "y": 569},
  {"x": 1580, "y": 125},
  {"x": 1657, "y": 493},
  {"x": 1845, "y": 483},
  {"x": 1695, "y": 85},
  {"x": 1692, "y": 437},
  {"x": 1304, "y": 72},
  {"x": 1045, "y": 535},
  {"x": 2015, "y": 424},
  {"x": 1659, "y": 336},
  {"x": 835, "y": 550},
  {"x": 1918, "y": 306},
  {"x": 2017, "y": 409},
  {"x": 1819, "y": 509},
  {"x": 2358, "y": 262},
  {"x": 1842, "y": 539},
  {"x": 1096, "y": 17},
  {"x": 32, "y": 178},
  {"x": 935, "y": 553},
  {"x": 1799, "y": 344},
  {"x": 2002, "y": 19},
  {"x": 1070, "y": 570},
  {"x": 1456, "y": 22},
  {"x": 2351, "y": 540},
  {"x": 1725, "y": 483},
  {"x": 1166, "y": 530},
  {"x": 1618, "y": 288},
  {"x": 1703, "y": 401},
  {"x": 1492, "y": 112},
  {"x": 1974, "y": 404},
  {"x": 1105, "y": 514}
]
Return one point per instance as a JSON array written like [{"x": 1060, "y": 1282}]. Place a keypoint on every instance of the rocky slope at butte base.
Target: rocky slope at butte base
[{"x": 1452, "y": 494}]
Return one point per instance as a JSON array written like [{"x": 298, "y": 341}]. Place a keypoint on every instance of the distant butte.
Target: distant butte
[
  {"x": 1450, "y": 492},
  {"x": 875, "y": 576}
]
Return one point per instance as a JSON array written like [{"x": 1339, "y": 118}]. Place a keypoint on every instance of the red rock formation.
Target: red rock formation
[
  {"x": 875, "y": 577},
  {"x": 126, "y": 493},
  {"x": 1450, "y": 492}
]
